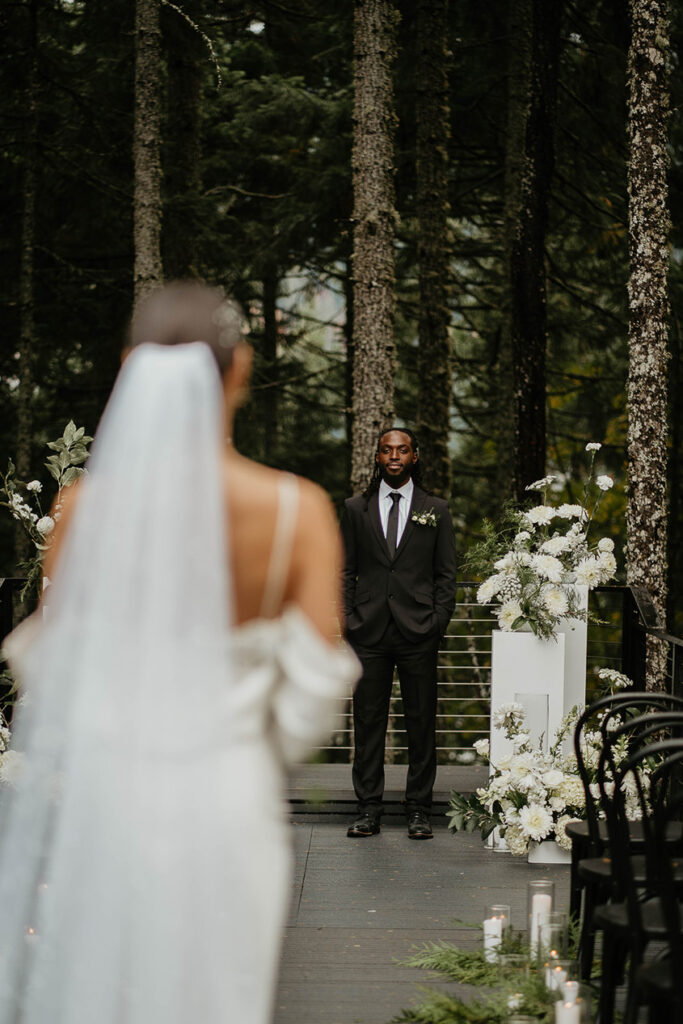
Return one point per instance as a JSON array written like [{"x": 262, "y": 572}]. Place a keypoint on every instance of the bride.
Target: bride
[{"x": 186, "y": 656}]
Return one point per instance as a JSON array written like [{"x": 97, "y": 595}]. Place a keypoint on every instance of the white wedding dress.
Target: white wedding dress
[{"x": 144, "y": 853}]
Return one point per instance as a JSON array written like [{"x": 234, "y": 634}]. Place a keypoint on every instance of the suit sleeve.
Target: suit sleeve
[
  {"x": 350, "y": 569},
  {"x": 445, "y": 580}
]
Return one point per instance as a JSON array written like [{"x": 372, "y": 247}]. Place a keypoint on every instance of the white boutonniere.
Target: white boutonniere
[{"x": 427, "y": 518}]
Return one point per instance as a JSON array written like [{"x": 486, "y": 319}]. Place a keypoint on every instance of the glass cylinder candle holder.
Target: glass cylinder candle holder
[
  {"x": 540, "y": 897},
  {"x": 496, "y": 924},
  {"x": 553, "y": 936},
  {"x": 557, "y": 973},
  {"x": 568, "y": 1013}
]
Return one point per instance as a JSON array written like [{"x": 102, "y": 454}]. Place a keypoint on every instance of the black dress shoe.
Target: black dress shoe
[
  {"x": 418, "y": 826},
  {"x": 365, "y": 825}
]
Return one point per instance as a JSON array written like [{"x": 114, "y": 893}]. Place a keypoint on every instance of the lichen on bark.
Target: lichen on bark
[
  {"x": 147, "y": 272},
  {"x": 374, "y": 222},
  {"x": 648, "y": 116}
]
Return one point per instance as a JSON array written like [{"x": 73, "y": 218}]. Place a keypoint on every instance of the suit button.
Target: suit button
[{"x": 391, "y": 596}]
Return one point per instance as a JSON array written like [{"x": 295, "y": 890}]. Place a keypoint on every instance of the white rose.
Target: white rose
[
  {"x": 45, "y": 526},
  {"x": 605, "y": 482},
  {"x": 553, "y": 778},
  {"x": 482, "y": 747}
]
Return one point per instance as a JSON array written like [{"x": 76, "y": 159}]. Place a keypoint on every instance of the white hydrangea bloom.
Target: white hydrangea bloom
[
  {"x": 518, "y": 843},
  {"x": 561, "y": 837},
  {"x": 557, "y": 804},
  {"x": 555, "y": 600},
  {"x": 571, "y": 791},
  {"x": 535, "y": 821},
  {"x": 549, "y": 567},
  {"x": 11, "y": 766},
  {"x": 541, "y": 515},
  {"x": 604, "y": 482},
  {"x": 593, "y": 446},
  {"x": 45, "y": 526},
  {"x": 509, "y": 612}
]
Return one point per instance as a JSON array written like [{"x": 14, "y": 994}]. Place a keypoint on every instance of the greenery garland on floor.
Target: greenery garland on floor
[{"x": 515, "y": 992}]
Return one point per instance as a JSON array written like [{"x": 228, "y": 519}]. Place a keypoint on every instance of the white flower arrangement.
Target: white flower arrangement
[
  {"x": 65, "y": 465},
  {"x": 531, "y": 795},
  {"x": 427, "y": 518},
  {"x": 539, "y": 554}
]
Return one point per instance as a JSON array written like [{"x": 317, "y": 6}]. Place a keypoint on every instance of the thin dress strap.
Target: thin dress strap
[{"x": 281, "y": 550}]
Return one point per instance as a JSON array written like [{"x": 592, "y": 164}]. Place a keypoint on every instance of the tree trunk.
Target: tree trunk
[
  {"x": 270, "y": 369},
  {"x": 433, "y": 246},
  {"x": 374, "y": 217},
  {"x": 186, "y": 59},
  {"x": 147, "y": 273},
  {"x": 535, "y": 29},
  {"x": 348, "y": 365},
  {"x": 27, "y": 330},
  {"x": 648, "y": 110}
]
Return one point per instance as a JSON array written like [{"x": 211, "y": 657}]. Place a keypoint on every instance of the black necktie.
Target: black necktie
[{"x": 392, "y": 525}]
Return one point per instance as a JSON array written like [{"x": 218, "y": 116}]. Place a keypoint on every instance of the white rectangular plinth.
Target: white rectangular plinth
[
  {"x": 521, "y": 664},
  {"x": 575, "y": 632}
]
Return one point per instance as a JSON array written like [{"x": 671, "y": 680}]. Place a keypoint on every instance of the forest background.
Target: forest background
[{"x": 256, "y": 154}]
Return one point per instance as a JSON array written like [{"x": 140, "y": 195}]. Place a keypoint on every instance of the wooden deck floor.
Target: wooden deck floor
[{"x": 358, "y": 905}]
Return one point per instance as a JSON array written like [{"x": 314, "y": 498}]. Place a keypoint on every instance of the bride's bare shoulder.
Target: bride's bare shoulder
[{"x": 254, "y": 486}]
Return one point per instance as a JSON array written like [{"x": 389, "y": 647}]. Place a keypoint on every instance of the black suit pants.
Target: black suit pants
[{"x": 416, "y": 665}]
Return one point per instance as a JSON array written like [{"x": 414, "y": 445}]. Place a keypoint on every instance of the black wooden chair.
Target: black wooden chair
[
  {"x": 591, "y": 868},
  {"x": 634, "y": 916}
]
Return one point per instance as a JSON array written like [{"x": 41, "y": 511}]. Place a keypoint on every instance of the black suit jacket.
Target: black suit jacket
[{"x": 416, "y": 588}]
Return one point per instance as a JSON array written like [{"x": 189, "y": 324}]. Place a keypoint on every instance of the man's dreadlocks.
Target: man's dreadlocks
[{"x": 416, "y": 469}]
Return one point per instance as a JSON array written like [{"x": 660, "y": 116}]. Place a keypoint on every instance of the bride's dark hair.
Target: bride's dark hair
[{"x": 185, "y": 311}]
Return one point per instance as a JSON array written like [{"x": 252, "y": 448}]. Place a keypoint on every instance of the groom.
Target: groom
[{"x": 399, "y": 594}]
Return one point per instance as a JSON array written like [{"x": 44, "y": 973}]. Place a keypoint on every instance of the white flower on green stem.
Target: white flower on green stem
[
  {"x": 488, "y": 589},
  {"x": 616, "y": 680},
  {"x": 522, "y": 536},
  {"x": 45, "y": 526},
  {"x": 606, "y": 544},
  {"x": 555, "y": 545},
  {"x": 604, "y": 482},
  {"x": 540, "y": 485},
  {"x": 589, "y": 572},
  {"x": 540, "y": 515},
  {"x": 593, "y": 446},
  {"x": 547, "y": 566},
  {"x": 555, "y": 600},
  {"x": 482, "y": 747},
  {"x": 508, "y": 714},
  {"x": 535, "y": 821},
  {"x": 509, "y": 612},
  {"x": 608, "y": 564},
  {"x": 566, "y": 511},
  {"x": 34, "y": 485}
]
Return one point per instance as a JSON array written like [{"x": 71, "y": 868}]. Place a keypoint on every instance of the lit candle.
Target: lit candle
[
  {"x": 555, "y": 977},
  {"x": 541, "y": 906},
  {"x": 493, "y": 934},
  {"x": 570, "y": 991},
  {"x": 567, "y": 1013}
]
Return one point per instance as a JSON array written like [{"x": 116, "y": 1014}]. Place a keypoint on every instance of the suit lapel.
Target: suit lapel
[{"x": 375, "y": 523}]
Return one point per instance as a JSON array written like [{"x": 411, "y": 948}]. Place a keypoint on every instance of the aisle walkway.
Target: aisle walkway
[{"x": 360, "y": 904}]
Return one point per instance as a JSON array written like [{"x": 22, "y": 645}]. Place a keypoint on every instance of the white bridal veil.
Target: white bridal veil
[{"x": 124, "y": 704}]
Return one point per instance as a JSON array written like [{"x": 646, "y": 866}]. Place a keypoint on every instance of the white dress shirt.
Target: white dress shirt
[{"x": 386, "y": 501}]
